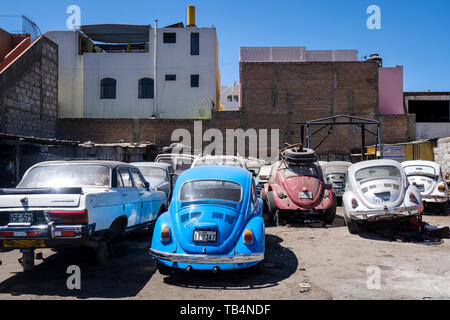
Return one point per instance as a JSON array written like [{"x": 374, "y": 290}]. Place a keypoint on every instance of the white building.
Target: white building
[
  {"x": 128, "y": 71},
  {"x": 229, "y": 97}
]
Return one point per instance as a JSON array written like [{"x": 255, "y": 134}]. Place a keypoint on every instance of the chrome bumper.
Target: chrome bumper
[
  {"x": 206, "y": 259},
  {"x": 386, "y": 213},
  {"x": 434, "y": 199},
  {"x": 43, "y": 232}
]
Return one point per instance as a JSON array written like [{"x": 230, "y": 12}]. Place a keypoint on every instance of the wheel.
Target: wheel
[
  {"x": 258, "y": 268},
  {"x": 351, "y": 225},
  {"x": 101, "y": 253},
  {"x": 305, "y": 155},
  {"x": 329, "y": 214},
  {"x": 163, "y": 269},
  {"x": 271, "y": 207},
  {"x": 443, "y": 208}
]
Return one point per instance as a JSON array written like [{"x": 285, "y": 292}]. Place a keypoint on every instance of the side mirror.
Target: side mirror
[
  {"x": 147, "y": 186},
  {"x": 253, "y": 172}
]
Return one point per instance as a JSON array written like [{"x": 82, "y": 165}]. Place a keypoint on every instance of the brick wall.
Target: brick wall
[
  {"x": 29, "y": 92},
  {"x": 274, "y": 96}
]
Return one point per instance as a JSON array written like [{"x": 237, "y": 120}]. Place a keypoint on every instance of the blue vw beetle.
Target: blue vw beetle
[{"x": 214, "y": 222}]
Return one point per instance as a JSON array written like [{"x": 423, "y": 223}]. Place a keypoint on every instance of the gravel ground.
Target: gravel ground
[{"x": 301, "y": 262}]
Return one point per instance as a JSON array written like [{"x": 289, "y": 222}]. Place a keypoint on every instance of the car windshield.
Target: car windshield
[
  {"x": 377, "y": 172},
  {"x": 293, "y": 171},
  {"x": 179, "y": 164},
  {"x": 66, "y": 176},
  {"x": 336, "y": 169},
  {"x": 233, "y": 162},
  {"x": 211, "y": 190},
  {"x": 153, "y": 172},
  {"x": 420, "y": 170}
]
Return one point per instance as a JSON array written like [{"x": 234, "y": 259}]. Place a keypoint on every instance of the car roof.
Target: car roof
[
  {"x": 108, "y": 163},
  {"x": 374, "y": 163},
  {"x": 177, "y": 155},
  {"x": 326, "y": 164},
  {"x": 432, "y": 164},
  {"x": 161, "y": 165},
  {"x": 227, "y": 173}
]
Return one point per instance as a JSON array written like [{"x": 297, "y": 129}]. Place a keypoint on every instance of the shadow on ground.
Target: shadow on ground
[
  {"x": 279, "y": 264},
  {"x": 122, "y": 277}
]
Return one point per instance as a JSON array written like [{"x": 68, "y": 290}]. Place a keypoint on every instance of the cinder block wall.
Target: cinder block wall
[{"x": 29, "y": 92}]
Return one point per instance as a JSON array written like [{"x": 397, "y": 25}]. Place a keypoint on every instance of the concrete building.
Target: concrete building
[
  {"x": 229, "y": 97},
  {"x": 129, "y": 71},
  {"x": 390, "y": 87},
  {"x": 432, "y": 110}
]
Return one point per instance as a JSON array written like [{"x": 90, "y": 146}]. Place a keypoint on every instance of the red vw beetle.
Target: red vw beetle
[{"x": 297, "y": 186}]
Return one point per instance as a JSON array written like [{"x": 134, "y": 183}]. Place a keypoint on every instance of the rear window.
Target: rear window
[
  {"x": 180, "y": 164},
  {"x": 420, "y": 170},
  {"x": 232, "y": 162},
  {"x": 377, "y": 172},
  {"x": 294, "y": 171},
  {"x": 211, "y": 190}
]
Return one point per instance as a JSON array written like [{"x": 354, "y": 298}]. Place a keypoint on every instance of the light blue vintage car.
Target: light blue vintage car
[{"x": 214, "y": 222}]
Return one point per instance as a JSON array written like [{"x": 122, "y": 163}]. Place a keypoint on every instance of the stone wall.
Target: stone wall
[
  {"x": 29, "y": 92},
  {"x": 442, "y": 154}
]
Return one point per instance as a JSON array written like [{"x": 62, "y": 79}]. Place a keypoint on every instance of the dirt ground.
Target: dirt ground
[{"x": 301, "y": 263}]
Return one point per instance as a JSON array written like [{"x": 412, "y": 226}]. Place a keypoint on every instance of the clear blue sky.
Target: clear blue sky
[{"x": 415, "y": 33}]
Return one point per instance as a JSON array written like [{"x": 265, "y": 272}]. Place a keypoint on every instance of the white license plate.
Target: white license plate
[
  {"x": 383, "y": 197},
  {"x": 305, "y": 195},
  {"x": 421, "y": 188},
  {"x": 205, "y": 236},
  {"x": 22, "y": 217},
  {"x": 338, "y": 185}
]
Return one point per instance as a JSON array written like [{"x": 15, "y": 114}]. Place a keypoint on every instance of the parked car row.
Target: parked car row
[{"x": 208, "y": 216}]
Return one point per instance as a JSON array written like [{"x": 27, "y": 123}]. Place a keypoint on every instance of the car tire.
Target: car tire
[
  {"x": 101, "y": 253},
  {"x": 443, "y": 209},
  {"x": 305, "y": 155},
  {"x": 258, "y": 268},
  {"x": 329, "y": 215},
  {"x": 164, "y": 270},
  {"x": 351, "y": 225},
  {"x": 271, "y": 207}
]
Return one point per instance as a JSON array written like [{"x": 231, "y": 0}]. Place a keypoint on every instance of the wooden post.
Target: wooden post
[
  {"x": 363, "y": 142},
  {"x": 17, "y": 160}
]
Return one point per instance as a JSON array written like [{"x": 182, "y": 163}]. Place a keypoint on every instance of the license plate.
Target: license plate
[
  {"x": 24, "y": 244},
  {"x": 338, "y": 185},
  {"x": 421, "y": 188},
  {"x": 22, "y": 217},
  {"x": 305, "y": 195},
  {"x": 383, "y": 197},
  {"x": 205, "y": 236}
]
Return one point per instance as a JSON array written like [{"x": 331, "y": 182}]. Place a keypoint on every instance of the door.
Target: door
[
  {"x": 130, "y": 198},
  {"x": 146, "y": 206}
]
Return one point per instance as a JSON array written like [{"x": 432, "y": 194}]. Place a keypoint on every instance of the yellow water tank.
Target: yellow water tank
[{"x": 190, "y": 17}]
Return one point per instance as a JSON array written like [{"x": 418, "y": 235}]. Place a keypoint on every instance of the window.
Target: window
[
  {"x": 127, "y": 182},
  {"x": 230, "y": 99},
  {"x": 377, "y": 173},
  {"x": 108, "y": 88},
  {"x": 430, "y": 111},
  {"x": 293, "y": 171},
  {"x": 137, "y": 179},
  {"x": 146, "y": 88},
  {"x": 195, "y": 79},
  {"x": 211, "y": 190},
  {"x": 236, "y": 98},
  {"x": 195, "y": 44},
  {"x": 171, "y": 77},
  {"x": 170, "y": 37}
]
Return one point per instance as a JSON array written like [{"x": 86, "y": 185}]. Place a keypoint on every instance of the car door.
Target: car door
[
  {"x": 131, "y": 200},
  {"x": 146, "y": 210}
]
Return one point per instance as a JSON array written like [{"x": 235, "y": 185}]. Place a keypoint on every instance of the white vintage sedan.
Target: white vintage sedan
[
  {"x": 428, "y": 178},
  {"x": 62, "y": 204},
  {"x": 377, "y": 190}
]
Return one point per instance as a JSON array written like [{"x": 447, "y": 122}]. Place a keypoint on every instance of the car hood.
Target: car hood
[
  {"x": 227, "y": 221},
  {"x": 295, "y": 185},
  {"x": 39, "y": 200}
]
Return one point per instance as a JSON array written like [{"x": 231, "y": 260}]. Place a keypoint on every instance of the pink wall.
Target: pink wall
[{"x": 390, "y": 84}]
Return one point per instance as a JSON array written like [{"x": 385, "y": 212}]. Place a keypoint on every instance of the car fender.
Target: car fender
[
  {"x": 327, "y": 202},
  {"x": 256, "y": 225},
  {"x": 171, "y": 245}
]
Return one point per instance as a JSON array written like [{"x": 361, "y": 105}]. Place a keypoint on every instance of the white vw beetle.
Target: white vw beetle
[
  {"x": 428, "y": 178},
  {"x": 376, "y": 190},
  {"x": 62, "y": 204}
]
